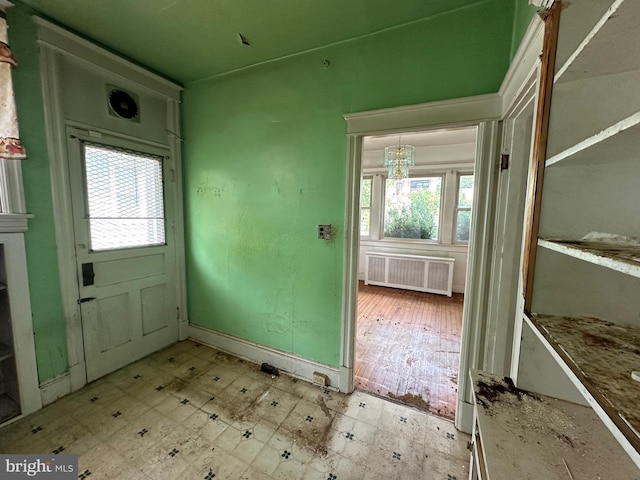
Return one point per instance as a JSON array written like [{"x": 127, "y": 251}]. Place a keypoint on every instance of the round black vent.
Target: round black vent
[{"x": 123, "y": 104}]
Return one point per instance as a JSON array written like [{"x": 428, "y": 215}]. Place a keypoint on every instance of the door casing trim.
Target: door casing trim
[
  {"x": 483, "y": 111},
  {"x": 55, "y": 127}
]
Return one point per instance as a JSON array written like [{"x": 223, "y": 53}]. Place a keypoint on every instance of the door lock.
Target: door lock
[{"x": 85, "y": 300}]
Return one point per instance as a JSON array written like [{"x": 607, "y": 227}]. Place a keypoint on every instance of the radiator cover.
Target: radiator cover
[{"x": 411, "y": 272}]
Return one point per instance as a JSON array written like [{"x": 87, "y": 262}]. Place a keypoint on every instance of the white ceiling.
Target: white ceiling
[
  {"x": 449, "y": 136},
  {"x": 436, "y": 149}
]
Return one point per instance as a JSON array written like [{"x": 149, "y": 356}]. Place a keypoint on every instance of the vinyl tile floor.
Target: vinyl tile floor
[{"x": 192, "y": 412}]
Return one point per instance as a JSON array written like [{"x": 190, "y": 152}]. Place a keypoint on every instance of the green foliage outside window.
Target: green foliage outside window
[
  {"x": 462, "y": 226},
  {"x": 365, "y": 206},
  {"x": 465, "y": 200},
  {"x": 365, "y": 193},
  {"x": 414, "y": 215}
]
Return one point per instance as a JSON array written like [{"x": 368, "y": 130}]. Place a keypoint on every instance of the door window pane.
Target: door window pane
[
  {"x": 125, "y": 202},
  {"x": 412, "y": 208}
]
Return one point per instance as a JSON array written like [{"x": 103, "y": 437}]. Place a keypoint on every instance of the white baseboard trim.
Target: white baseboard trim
[
  {"x": 464, "y": 416},
  {"x": 456, "y": 288},
  {"x": 53, "y": 389},
  {"x": 77, "y": 376},
  {"x": 285, "y": 362},
  {"x": 183, "y": 329}
]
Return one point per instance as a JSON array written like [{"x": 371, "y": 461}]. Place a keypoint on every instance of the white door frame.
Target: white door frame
[
  {"x": 505, "y": 288},
  {"x": 483, "y": 111},
  {"x": 55, "y": 43}
]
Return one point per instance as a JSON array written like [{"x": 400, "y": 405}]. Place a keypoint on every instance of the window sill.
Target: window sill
[
  {"x": 14, "y": 222},
  {"x": 414, "y": 244}
]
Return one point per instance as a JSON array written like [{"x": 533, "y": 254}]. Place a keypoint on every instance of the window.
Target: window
[
  {"x": 124, "y": 198},
  {"x": 412, "y": 208},
  {"x": 463, "y": 207},
  {"x": 365, "y": 207}
]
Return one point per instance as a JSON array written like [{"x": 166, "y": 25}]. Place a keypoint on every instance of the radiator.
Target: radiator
[{"x": 411, "y": 272}]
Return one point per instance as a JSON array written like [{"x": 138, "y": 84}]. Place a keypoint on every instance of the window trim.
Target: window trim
[{"x": 448, "y": 208}]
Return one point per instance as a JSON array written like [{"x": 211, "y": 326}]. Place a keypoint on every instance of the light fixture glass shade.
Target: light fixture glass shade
[{"x": 398, "y": 159}]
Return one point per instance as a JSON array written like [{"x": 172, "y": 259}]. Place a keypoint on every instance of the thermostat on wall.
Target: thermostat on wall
[{"x": 123, "y": 104}]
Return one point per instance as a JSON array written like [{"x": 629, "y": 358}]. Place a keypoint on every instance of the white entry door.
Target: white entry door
[{"x": 125, "y": 248}]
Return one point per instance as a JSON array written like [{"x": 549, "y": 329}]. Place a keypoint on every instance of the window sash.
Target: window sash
[
  {"x": 365, "y": 208},
  {"x": 461, "y": 208},
  {"x": 124, "y": 197}
]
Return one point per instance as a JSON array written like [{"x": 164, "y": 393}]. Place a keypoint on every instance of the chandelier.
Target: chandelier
[{"x": 398, "y": 159}]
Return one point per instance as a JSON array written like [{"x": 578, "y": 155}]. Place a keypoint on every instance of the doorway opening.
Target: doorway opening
[{"x": 414, "y": 237}]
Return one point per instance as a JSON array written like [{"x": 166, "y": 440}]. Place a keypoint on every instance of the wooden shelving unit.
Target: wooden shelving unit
[
  {"x": 528, "y": 436},
  {"x": 591, "y": 174},
  {"x": 574, "y": 410},
  {"x": 598, "y": 357}
]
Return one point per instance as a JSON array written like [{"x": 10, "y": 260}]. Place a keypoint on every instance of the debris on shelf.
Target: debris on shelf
[
  {"x": 525, "y": 412},
  {"x": 618, "y": 247},
  {"x": 602, "y": 354},
  {"x": 490, "y": 391},
  {"x": 611, "y": 238}
]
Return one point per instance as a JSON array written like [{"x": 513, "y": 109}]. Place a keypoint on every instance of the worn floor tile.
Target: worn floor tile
[{"x": 192, "y": 412}]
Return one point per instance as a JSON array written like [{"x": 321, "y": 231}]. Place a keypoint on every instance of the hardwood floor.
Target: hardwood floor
[{"x": 408, "y": 347}]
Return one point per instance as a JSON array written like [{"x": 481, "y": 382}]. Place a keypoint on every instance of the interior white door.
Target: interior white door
[
  {"x": 511, "y": 200},
  {"x": 125, "y": 248}
]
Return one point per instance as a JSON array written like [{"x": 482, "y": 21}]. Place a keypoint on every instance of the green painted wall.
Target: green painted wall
[
  {"x": 523, "y": 13},
  {"x": 48, "y": 320},
  {"x": 264, "y": 164}
]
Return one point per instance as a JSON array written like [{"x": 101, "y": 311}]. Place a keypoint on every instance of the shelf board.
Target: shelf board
[
  {"x": 609, "y": 48},
  {"x": 598, "y": 357},
  {"x": 620, "y": 257},
  {"x": 619, "y": 141},
  {"x": 5, "y": 352},
  {"x": 526, "y": 435}
]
